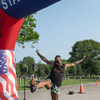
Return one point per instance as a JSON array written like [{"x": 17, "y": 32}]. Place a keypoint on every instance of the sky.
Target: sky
[{"x": 60, "y": 26}]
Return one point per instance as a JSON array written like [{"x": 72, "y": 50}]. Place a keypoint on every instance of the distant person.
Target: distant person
[
  {"x": 35, "y": 76},
  {"x": 55, "y": 78},
  {"x": 23, "y": 76},
  {"x": 32, "y": 76}
]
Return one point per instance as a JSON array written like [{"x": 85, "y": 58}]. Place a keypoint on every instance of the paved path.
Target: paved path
[{"x": 92, "y": 92}]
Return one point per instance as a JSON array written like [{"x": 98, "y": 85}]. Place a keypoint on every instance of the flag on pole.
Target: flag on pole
[{"x": 8, "y": 85}]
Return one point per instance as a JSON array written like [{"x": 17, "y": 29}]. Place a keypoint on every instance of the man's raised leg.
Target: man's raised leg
[{"x": 46, "y": 83}]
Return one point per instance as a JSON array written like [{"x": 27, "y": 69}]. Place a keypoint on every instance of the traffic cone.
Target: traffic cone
[
  {"x": 81, "y": 88},
  {"x": 96, "y": 83}
]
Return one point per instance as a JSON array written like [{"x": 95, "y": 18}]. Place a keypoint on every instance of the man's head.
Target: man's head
[{"x": 58, "y": 59}]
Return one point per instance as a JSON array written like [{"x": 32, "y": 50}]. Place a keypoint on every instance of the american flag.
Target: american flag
[{"x": 8, "y": 85}]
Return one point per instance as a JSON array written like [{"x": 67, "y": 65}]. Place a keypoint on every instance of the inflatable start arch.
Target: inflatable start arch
[{"x": 12, "y": 13}]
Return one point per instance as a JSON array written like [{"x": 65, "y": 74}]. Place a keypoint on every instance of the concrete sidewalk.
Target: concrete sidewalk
[{"x": 92, "y": 92}]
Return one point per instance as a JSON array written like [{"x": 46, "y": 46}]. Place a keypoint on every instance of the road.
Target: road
[{"x": 92, "y": 92}]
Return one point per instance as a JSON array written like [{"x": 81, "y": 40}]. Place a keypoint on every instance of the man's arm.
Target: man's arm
[
  {"x": 75, "y": 63},
  {"x": 44, "y": 59}
]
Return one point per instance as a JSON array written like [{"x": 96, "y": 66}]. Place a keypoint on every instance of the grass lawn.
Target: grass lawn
[
  {"x": 65, "y": 82},
  {"x": 21, "y": 87},
  {"x": 72, "y": 82}
]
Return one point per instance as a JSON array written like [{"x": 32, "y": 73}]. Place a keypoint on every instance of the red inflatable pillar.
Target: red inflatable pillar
[{"x": 9, "y": 30}]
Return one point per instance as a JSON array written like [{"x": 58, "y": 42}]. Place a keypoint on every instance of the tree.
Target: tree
[
  {"x": 27, "y": 62},
  {"x": 18, "y": 72},
  {"x": 74, "y": 69},
  {"x": 95, "y": 67},
  {"x": 17, "y": 69},
  {"x": 47, "y": 69},
  {"x": 40, "y": 66},
  {"x": 79, "y": 70},
  {"x": 90, "y": 48},
  {"x": 67, "y": 69},
  {"x": 65, "y": 61},
  {"x": 27, "y": 33}
]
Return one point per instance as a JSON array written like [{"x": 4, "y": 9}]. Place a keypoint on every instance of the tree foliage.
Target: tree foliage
[
  {"x": 91, "y": 64},
  {"x": 74, "y": 70},
  {"x": 27, "y": 33},
  {"x": 27, "y": 62},
  {"x": 45, "y": 68},
  {"x": 17, "y": 69},
  {"x": 90, "y": 48},
  {"x": 79, "y": 70},
  {"x": 95, "y": 67},
  {"x": 68, "y": 70}
]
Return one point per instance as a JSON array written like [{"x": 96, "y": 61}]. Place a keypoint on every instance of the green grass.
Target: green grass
[
  {"x": 72, "y": 82},
  {"x": 65, "y": 82},
  {"x": 21, "y": 87}
]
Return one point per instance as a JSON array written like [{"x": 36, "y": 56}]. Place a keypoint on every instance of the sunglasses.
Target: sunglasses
[{"x": 56, "y": 61}]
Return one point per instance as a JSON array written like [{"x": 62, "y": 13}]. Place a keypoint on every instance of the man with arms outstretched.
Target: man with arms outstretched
[{"x": 55, "y": 78}]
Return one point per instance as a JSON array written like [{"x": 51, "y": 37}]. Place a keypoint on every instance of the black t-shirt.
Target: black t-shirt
[{"x": 57, "y": 74}]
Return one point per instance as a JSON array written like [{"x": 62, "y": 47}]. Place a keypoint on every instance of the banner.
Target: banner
[
  {"x": 22, "y": 8},
  {"x": 8, "y": 85}
]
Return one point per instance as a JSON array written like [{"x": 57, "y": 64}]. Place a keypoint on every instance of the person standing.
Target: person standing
[{"x": 35, "y": 76}]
